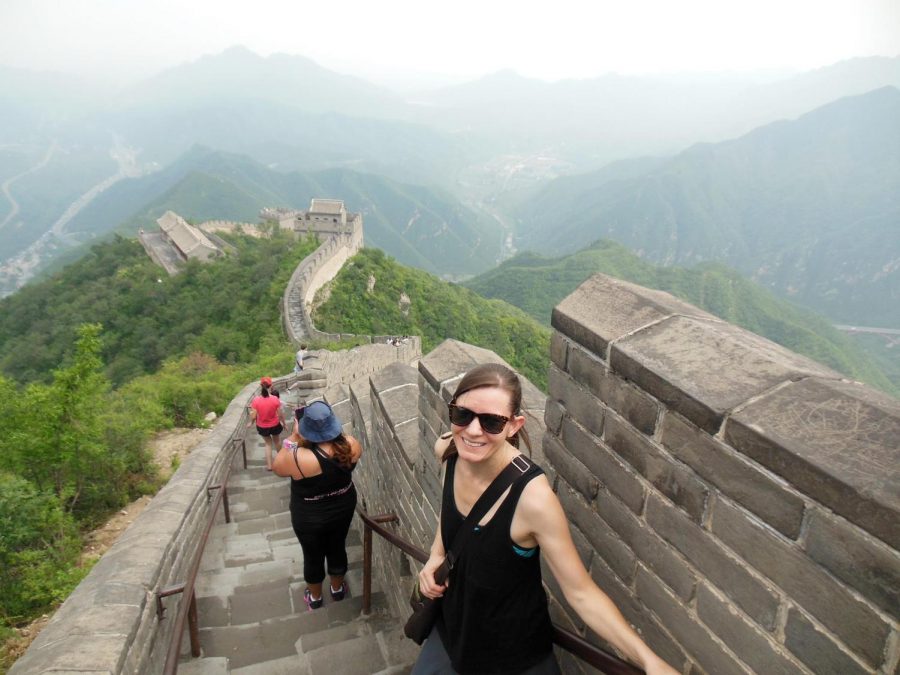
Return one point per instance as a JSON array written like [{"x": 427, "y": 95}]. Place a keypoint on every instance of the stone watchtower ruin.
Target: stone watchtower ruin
[{"x": 323, "y": 218}]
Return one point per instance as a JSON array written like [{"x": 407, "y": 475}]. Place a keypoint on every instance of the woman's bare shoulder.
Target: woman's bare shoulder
[
  {"x": 538, "y": 500},
  {"x": 441, "y": 444}
]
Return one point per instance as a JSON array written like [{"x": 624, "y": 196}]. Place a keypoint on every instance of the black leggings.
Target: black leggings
[{"x": 322, "y": 540}]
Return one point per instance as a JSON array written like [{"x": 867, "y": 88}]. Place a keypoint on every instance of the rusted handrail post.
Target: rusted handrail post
[
  {"x": 188, "y": 609},
  {"x": 367, "y": 570},
  {"x": 367, "y": 557},
  {"x": 193, "y": 625}
]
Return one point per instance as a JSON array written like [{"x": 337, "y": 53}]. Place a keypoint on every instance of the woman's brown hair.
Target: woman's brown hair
[
  {"x": 343, "y": 453},
  {"x": 493, "y": 375}
]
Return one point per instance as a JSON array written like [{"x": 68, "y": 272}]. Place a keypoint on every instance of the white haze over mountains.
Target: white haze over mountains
[
  {"x": 410, "y": 41},
  {"x": 67, "y": 148}
]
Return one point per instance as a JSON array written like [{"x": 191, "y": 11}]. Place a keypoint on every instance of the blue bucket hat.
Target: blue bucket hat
[{"x": 319, "y": 423}]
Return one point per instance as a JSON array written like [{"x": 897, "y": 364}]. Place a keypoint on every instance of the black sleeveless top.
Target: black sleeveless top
[
  {"x": 494, "y": 612},
  {"x": 334, "y": 481}
]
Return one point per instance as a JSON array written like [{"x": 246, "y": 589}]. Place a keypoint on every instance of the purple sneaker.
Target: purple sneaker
[
  {"x": 338, "y": 595},
  {"x": 310, "y": 603}
]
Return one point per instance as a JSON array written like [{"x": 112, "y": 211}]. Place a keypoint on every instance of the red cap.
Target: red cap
[{"x": 265, "y": 381}]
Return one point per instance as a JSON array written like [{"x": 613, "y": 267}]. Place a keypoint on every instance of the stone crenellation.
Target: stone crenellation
[
  {"x": 743, "y": 504},
  {"x": 737, "y": 501}
]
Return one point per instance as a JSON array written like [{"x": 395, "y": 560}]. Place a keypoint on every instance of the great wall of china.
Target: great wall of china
[{"x": 740, "y": 503}]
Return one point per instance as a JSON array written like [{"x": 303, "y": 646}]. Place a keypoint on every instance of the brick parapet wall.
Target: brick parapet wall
[
  {"x": 739, "y": 502},
  {"x": 313, "y": 272}
]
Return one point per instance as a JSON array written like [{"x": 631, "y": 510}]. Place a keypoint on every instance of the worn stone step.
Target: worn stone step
[
  {"x": 212, "y": 666},
  {"x": 399, "y": 650},
  {"x": 289, "y": 665},
  {"x": 396, "y": 670},
  {"x": 274, "y": 638},
  {"x": 356, "y": 656}
]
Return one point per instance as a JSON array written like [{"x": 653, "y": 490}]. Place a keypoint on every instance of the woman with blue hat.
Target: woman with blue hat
[{"x": 320, "y": 460}]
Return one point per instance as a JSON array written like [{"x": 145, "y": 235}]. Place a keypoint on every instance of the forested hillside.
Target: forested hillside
[
  {"x": 97, "y": 358},
  {"x": 373, "y": 294},
  {"x": 536, "y": 284},
  {"x": 225, "y": 309}
]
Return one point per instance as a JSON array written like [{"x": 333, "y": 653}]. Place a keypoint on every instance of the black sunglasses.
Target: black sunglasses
[{"x": 462, "y": 417}]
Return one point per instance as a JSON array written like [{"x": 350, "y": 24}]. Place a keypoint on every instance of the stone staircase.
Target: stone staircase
[{"x": 252, "y": 616}]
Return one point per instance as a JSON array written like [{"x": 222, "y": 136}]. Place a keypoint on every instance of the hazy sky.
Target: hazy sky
[{"x": 551, "y": 39}]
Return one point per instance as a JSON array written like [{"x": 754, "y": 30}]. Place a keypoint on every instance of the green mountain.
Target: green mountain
[
  {"x": 420, "y": 226},
  {"x": 225, "y": 309},
  {"x": 406, "y": 301},
  {"x": 809, "y": 208},
  {"x": 537, "y": 284}
]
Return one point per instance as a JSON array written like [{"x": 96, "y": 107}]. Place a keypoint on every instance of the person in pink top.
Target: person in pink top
[{"x": 265, "y": 412}]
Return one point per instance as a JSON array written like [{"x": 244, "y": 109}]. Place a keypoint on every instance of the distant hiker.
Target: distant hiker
[
  {"x": 298, "y": 358},
  {"x": 320, "y": 461},
  {"x": 265, "y": 411}
]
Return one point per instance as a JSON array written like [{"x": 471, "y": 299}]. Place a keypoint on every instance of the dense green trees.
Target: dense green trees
[
  {"x": 97, "y": 358},
  {"x": 223, "y": 309},
  {"x": 537, "y": 284},
  {"x": 55, "y": 469},
  {"x": 406, "y": 301}
]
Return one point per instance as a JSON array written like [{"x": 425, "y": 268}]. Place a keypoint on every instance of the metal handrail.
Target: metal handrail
[
  {"x": 572, "y": 643},
  {"x": 188, "y": 610}
]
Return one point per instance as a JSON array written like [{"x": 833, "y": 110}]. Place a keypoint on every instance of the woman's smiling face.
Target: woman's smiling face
[{"x": 472, "y": 442}]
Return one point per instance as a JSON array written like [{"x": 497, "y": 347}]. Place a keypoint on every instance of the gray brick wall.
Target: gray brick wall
[{"x": 739, "y": 499}]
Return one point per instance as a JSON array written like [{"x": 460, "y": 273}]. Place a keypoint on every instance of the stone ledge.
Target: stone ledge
[
  {"x": 836, "y": 441},
  {"x": 603, "y": 309},
  {"x": 703, "y": 369}
]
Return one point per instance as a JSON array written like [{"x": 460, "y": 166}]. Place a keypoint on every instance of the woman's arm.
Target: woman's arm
[
  {"x": 427, "y": 584},
  {"x": 437, "y": 554},
  {"x": 356, "y": 449},
  {"x": 284, "y": 463},
  {"x": 543, "y": 516}
]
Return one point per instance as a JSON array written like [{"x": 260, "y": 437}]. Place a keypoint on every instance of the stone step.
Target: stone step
[
  {"x": 356, "y": 656},
  {"x": 289, "y": 665},
  {"x": 209, "y": 666},
  {"x": 279, "y": 637},
  {"x": 397, "y": 670}
]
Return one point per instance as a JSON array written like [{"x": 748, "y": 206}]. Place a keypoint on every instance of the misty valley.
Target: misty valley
[{"x": 774, "y": 204}]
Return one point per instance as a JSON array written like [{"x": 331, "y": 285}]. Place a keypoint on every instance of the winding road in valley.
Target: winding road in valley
[
  {"x": 21, "y": 267},
  {"x": 9, "y": 181}
]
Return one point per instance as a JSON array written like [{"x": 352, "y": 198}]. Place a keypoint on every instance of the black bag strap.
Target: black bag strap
[{"x": 513, "y": 471}]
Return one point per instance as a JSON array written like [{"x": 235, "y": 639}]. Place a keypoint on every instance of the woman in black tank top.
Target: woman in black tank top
[
  {"x": 320, "y": 459},
  {"x": 494, "y": 616}
]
